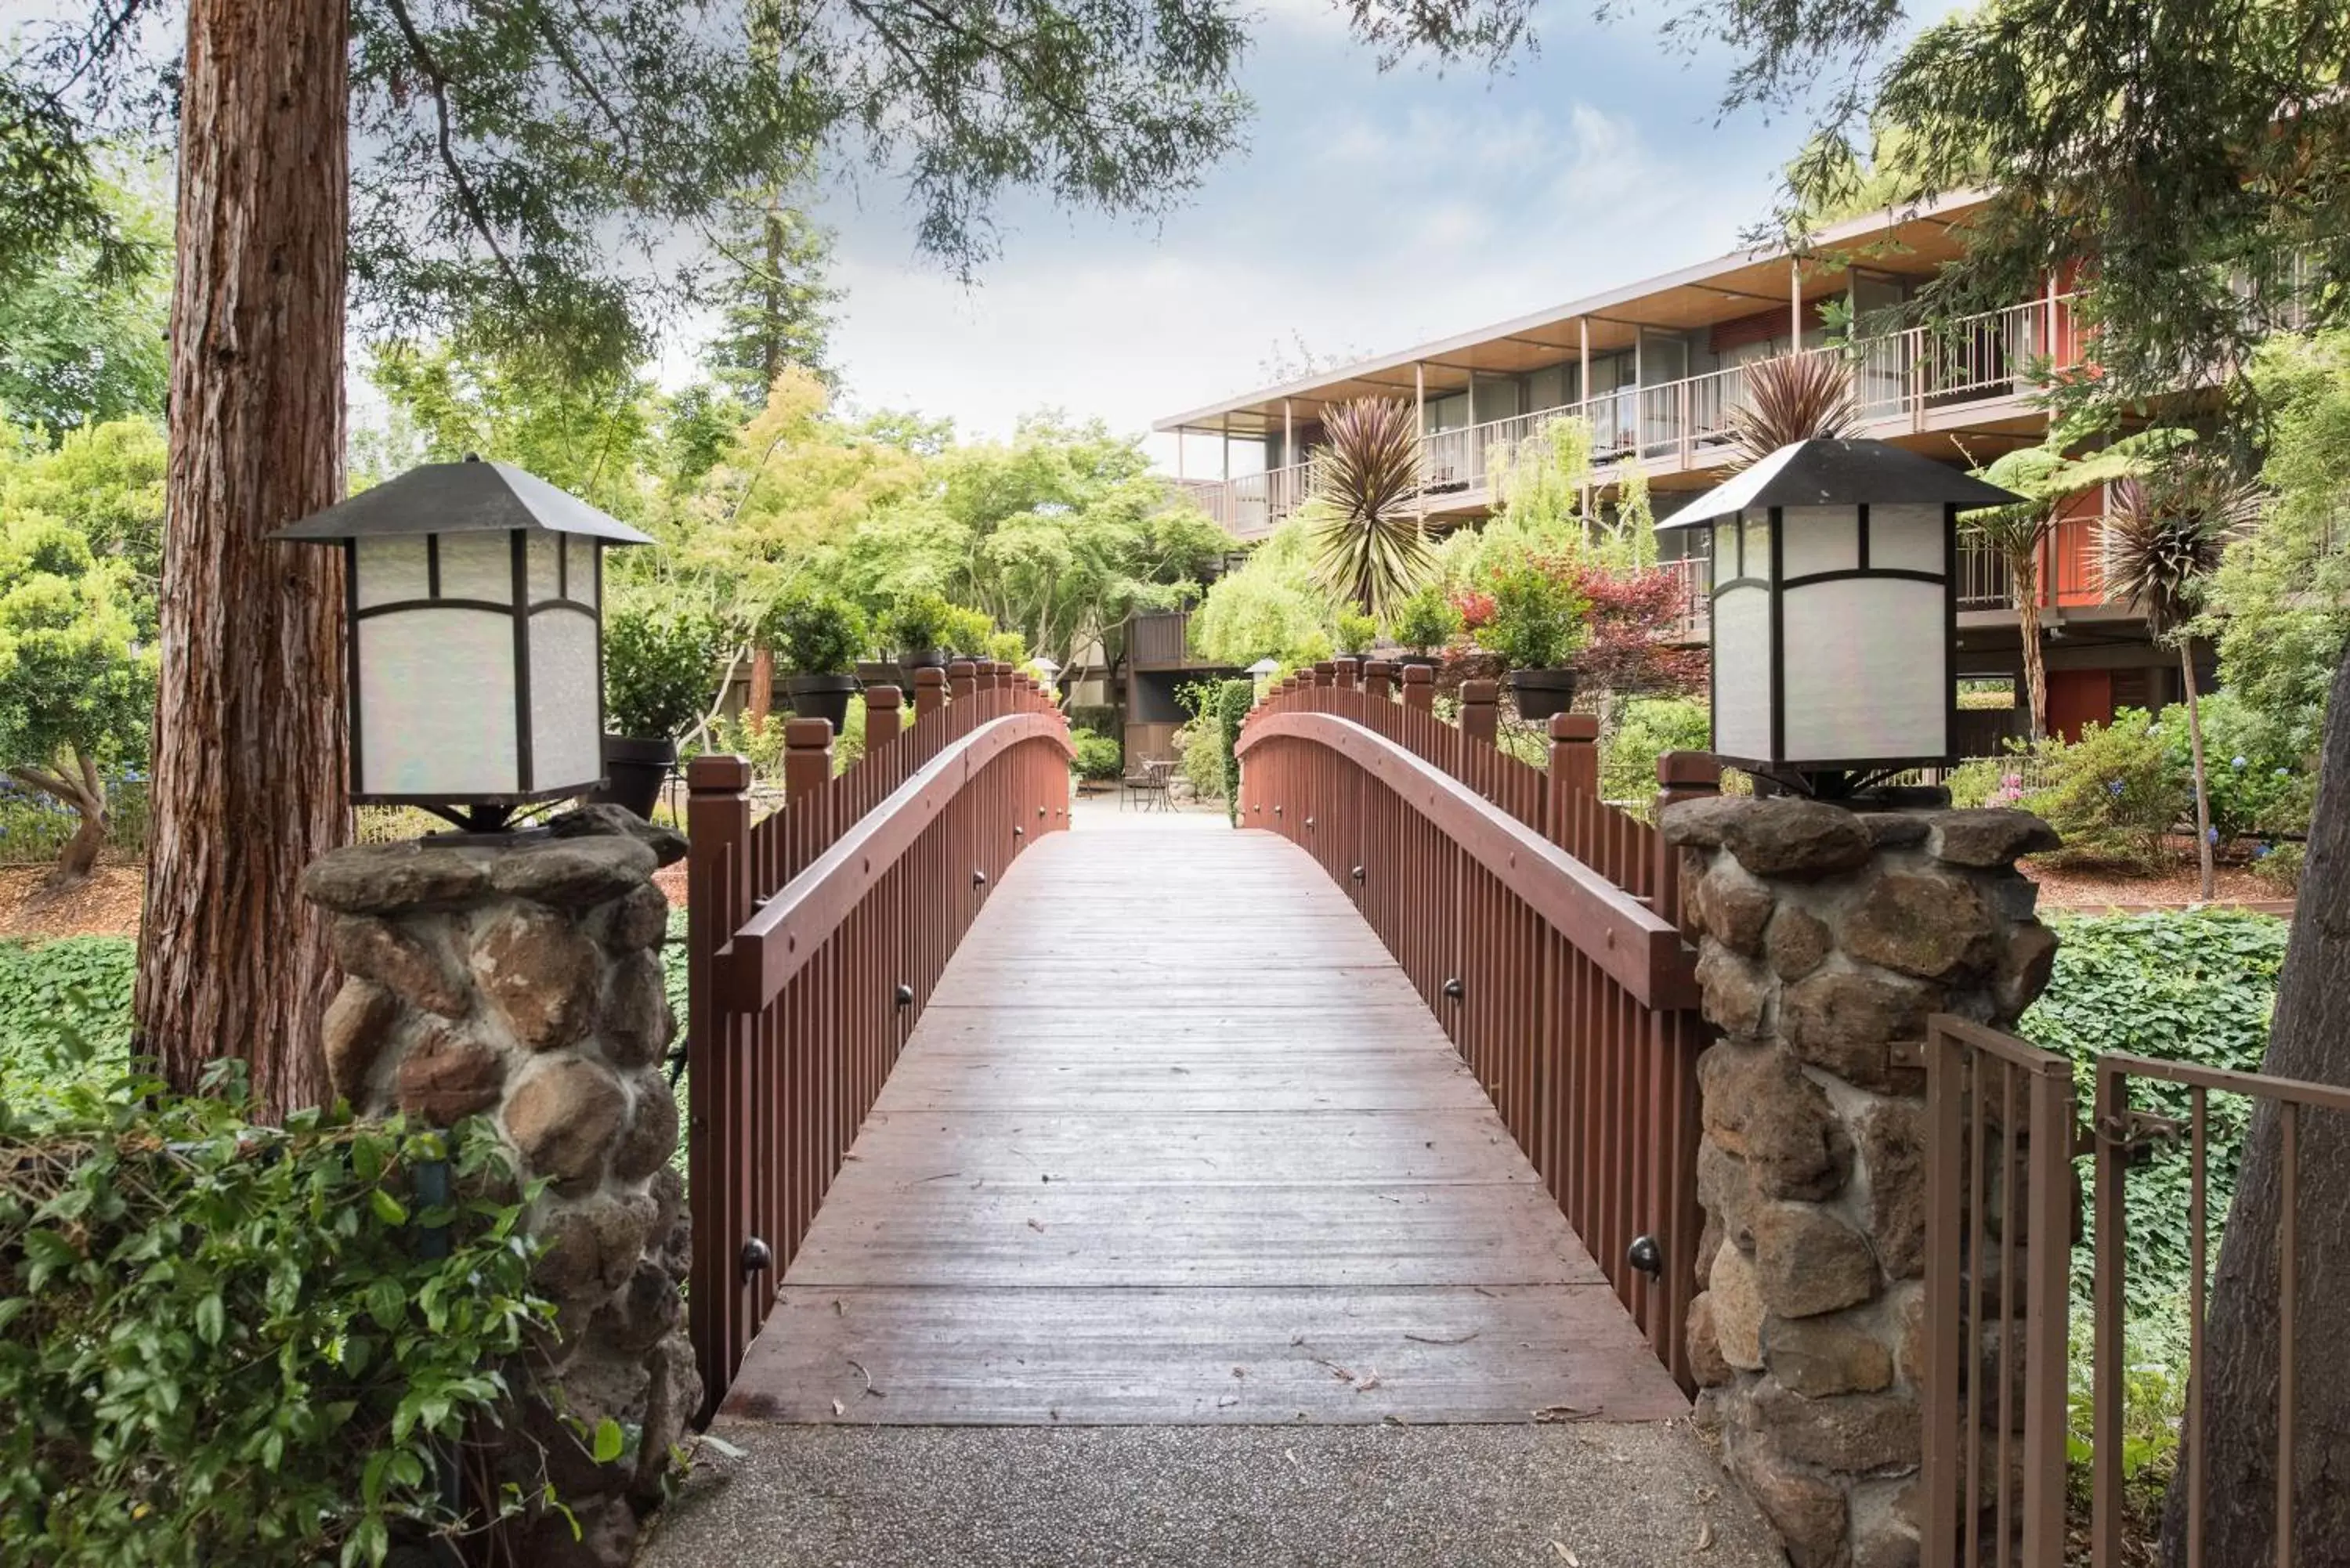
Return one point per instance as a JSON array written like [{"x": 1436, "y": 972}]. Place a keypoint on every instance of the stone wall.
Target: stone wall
[
  {"x": 523, "y": 981},
  {"x": 1827, "y": 936}
]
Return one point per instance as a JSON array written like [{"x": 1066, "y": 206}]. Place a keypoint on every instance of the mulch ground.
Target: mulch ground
[
  {"x": 105, "y": 905},
  {"x": 2176, "y": 885}
]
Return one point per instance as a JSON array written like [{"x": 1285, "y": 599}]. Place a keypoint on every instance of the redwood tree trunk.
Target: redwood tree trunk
[
  {"x": 249, "y": 776},
  {"x": 2310, "y": 1039}
]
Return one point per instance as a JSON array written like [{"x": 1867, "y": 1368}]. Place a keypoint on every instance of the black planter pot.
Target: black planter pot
[
  {"x": 923, "y": 658},
  {"x": 1542, "y": 692},
  {"x": 822, "y": 697},
  {"x": 634, "y": 772}
]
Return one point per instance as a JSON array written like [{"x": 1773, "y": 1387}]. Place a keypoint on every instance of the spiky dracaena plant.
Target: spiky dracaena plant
[
  {"x": 2163, "y": 542},
  {"x": 1803, "y": 397},
  {"x": 1369, "y": 547}
]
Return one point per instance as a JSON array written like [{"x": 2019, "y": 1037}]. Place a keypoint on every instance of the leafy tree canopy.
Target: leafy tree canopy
[
  {"x": 522, "y": 173},
  {"x": 104, "y": 482},
  {"x": 81, "y": 339}
]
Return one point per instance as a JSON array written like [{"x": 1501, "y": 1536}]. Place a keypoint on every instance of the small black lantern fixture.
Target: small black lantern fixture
[
  {"x": 473, "y": 647},
  {"x": 1835, "y": 612}
]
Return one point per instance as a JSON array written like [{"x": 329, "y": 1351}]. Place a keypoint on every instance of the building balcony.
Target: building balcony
[{"x": 1919, "y": 382}]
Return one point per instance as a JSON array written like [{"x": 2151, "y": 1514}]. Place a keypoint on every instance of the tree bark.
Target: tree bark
[
  {"x": 2310, "y": 1039},
  {"x": 2203, "y": 847},
  {"x": 2024, "y": 580},
  {"x": 249, "y": 778},
  {"x": 762, "y": 701},
  {"x": 87, "y": 796}
]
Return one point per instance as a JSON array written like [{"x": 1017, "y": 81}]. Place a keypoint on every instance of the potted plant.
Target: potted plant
[
  {"x": 819, "y": 636},
  {"x": 1424, "y": 622},
  {"x": 966, "y": 632},
  {"x": 1540, "y": 621},
  {"x": 1358, "y": 634},
  {"x": 660, "y": 670},
  {"x": 916, "y": 627}
]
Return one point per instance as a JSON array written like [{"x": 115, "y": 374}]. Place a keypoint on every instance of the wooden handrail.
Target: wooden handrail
[
  {"x": 1639, "y": 949},
  {"x": 782, "y": 934}
]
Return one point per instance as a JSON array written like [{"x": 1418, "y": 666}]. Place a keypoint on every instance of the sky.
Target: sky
[{"x": 1369, "y": 212}]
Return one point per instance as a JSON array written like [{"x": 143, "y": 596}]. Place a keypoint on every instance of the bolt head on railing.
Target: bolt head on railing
[
  {"x": 1358, "y": 873},
  {"x": 1646, "y": 1256},
  {"x": 1018, "y": 831},
  {"x": 1452, "y": 987},
  {"x": 905, "y": 995},
  {"x": 757, "y": 1257},
  {"x": 978, "y": 877},
  {"x": 1309, "y": 822}
]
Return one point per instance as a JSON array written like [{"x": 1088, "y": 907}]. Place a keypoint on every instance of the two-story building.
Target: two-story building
[{"x": 1655, "y": 366}]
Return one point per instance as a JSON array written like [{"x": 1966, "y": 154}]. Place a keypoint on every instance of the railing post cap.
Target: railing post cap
[
  {"x": 1574, "y": 727},
  {"x": 883, "y": 697},
  {"x": 807, "y": 735},
  {"x": 929, "y": 675},
  {"x": 1419, "y": 675},
  {"x": 1381, "y": 667},
  {"x": 1325, "y": 667},
  {"x": 1480, "y": 691},
  {"x": 1687, "y": 769},
  {"x": 718, "y": 773}
]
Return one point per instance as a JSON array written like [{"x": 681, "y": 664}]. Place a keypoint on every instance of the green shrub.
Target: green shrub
[
  {"x": 967, "y": 631},
  {"x": 1007, "y": 647},
  {"x": 2280, "y": 866},
  {"x": 224, "y": 1342},
  {"x": 661, "y": 670},
  {"x": 917, "y": 623},
  {"x": 2113, "y": 794},
  {"x": 815, "y": 633},
  {"x": 65, "y": 1018},
  {"x": 2195, "y": 987},
  {"x": 1646, "y": 728},
  {"x": 1210, "y": 762},
  {"x": 1426, "y": 620},
  {"x": 1540, "y": 620},
  {"x": 1985, "y": 781},
  {"x": 1357, "y": 634},
  {"x": 1099, "y": 756},
  {"x": 2255, "y": 784}
]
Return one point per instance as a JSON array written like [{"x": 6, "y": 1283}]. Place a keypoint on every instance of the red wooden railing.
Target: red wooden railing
[
  {"x": 1541, "y": 925},
  {"x": 814, "y": 936}
]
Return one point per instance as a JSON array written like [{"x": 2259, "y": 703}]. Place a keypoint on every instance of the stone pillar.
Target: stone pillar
[
  {"x": 522, "y": 981},
  {"x": 1827, "y": 938}
]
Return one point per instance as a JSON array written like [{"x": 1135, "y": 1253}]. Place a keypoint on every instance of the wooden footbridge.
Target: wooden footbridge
[{"x": 1380, "y": 1109}]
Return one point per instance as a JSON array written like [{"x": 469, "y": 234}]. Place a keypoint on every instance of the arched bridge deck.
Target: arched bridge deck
[{"x": 1178, "y": 1143}]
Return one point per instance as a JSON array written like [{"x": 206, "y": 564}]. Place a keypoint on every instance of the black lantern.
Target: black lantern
[
  {"x": 474, "y": 593},
  {"x": 1835, "y": 611}
]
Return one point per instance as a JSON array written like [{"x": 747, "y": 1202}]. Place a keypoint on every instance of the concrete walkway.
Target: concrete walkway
[{"x": 1180, "y": 1236}]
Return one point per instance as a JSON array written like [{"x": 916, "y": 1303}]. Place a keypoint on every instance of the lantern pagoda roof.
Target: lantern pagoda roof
[
  {"x": 1841, "y": 473},
  {"x": 468, "y": 497}
]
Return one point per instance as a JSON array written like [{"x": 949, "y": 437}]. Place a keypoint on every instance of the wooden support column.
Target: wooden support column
[
  {"x": 1583, "y": 394},
  {"x": 884, "y": 715},
  {"x": 1419, "y": 433},
  {"x": 807, "y": 757},
  {"x": 1794, "y": 306}
]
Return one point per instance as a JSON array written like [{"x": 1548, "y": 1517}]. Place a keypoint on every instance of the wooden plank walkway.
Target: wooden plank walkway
[{"x": 1176, "y": 1143}]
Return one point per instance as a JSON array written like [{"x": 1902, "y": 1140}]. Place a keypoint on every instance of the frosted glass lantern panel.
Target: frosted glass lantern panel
[
  {"x": 566, "y": 726},
  {"x": 1758, "y": 544},
  {"x": 1820, "y": 539},
  {"x": 1725, "y": 549},
  {"x": 545, "y": 555},
  {"x": 392, "y": 571},
  {"x": 1742, "y": 673},
  {"x": 1907, "y": 538},
  {"x": 1868, "y": 672},
  {"x": 436, "y": 703},
  {"x": 580, "y": 566},
  {"x": 478, "y": 566}
]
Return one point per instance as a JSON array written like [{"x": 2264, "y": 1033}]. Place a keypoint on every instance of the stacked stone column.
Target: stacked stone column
[
  {"x": 522, "y": 980},
  {"x": 1826, "y": 938}
]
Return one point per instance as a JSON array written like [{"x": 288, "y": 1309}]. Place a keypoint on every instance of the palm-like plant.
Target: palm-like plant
[
  {"x": 2164, "y": 540},
  {"x": 1369, "y": 543},
  {"x": 1803, "y": 397},
  {"x": 2045, "y": 476}
]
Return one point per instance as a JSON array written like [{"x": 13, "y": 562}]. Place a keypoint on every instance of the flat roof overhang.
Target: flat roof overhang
[{"x": 1915, "y": 241}]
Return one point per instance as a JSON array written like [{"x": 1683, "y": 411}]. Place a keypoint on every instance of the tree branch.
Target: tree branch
[{"x": 466, "y": 197}]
